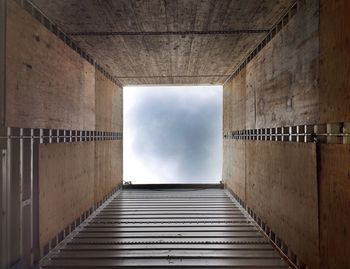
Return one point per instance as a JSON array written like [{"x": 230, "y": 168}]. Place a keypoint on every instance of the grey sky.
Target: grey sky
[{"x": 173, "y": 134}]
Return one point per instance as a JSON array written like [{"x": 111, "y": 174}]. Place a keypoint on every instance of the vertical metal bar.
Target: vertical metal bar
[
  {"x": 56, "y": 135},
  {"x": 35, "y": 199},
  {"x": 8, "y": 195},
  {"x": 346, "y": 132},
  {"x": 50, "y": 136},
  {"x": 31, "y": 197},
  {"x": 4, "y": 210},
  {"x": 21, "y": 192},
  {"x": 16, "y": 194},
  {"x": 41, "y": 134},
  {"x": 309, "y": 131},
  {"x": 25, "y": 157}
]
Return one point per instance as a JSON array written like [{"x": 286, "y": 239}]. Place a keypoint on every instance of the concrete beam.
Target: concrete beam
[
  {"x": 2, "y": 59},
  {"x": 3, "y": 198}
]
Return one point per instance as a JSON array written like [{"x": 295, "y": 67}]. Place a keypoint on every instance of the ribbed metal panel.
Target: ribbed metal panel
[{"x": 185, "y": 228}]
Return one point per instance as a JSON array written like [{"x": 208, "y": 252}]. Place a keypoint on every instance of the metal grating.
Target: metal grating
[
  {"x": 48, "y": 136},
  {"x": 176, "y": 228},
  {"x": 331, "y": 133}
]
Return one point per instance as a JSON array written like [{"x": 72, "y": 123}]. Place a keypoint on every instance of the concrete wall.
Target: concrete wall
[
  {"x": 2, "y": 109},
  {"x": 299, "y": 189},
  {"x": 333, "y": 160},
  {"x": 48, "y": 85},
  {"x": 52, "y": 89}
]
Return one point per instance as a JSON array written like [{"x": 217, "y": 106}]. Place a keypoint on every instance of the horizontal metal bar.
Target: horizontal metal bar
[
  {"x": 169, "y": 261},
  {"x": 165, "y": 253},
  {"x": 189, "y": 196},
  {"x": 168, "y": 215},
  {"x": 176, "y": 229},
  {"x": 173, "y": 188},
  {"x": 163, "y": 207},
  {"x": 177, "y": 222},
  {"x": 172, "y": 200},
  {"x": 173, "y": 203},
  {"x": 175, "y": 226},
  {"x": 171, "y": 240},
  {"x": 162, "y": 234},
  {"x": 174, "y": 209},
  {"x": 180, "y": 219},
  {"x": 175, "y": 246}
]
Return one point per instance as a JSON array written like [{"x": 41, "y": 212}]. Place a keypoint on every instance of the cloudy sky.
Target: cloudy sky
[{"x": 172, "y": 134}]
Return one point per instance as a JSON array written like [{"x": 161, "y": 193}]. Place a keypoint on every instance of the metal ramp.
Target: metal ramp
[{"x": 167, "y": 228}]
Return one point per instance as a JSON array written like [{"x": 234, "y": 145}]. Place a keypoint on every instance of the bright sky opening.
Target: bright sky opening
[{"x": 172, "y": 134}]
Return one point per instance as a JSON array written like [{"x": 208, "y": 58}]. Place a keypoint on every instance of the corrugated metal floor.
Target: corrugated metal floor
[{"x": 185, "y": 228}]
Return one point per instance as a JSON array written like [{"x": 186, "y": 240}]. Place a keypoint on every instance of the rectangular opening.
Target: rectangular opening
[{"x": 172, "y": 134}]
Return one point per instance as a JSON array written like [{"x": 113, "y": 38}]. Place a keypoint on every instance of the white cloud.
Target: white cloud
[{"x": 172, "y": 134}]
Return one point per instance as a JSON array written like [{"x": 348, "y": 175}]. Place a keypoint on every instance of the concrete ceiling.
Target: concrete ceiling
[{"x": 166, "y": 41}]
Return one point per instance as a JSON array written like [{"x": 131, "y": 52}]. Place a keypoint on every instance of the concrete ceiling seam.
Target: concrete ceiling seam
[
  {"x": 181, "y": 33},
  {"x": 176, "y": 76}
]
